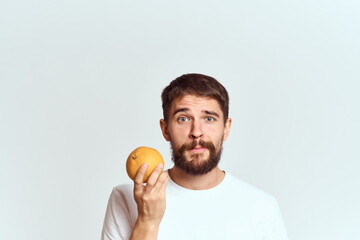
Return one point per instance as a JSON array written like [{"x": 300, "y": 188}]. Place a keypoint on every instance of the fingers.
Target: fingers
[
  {"x": 156, "y": 182},
  {"x": 154, "y": 175},
  {"x": 140, "y": 177},
  {"x": 162, "y": 181}
]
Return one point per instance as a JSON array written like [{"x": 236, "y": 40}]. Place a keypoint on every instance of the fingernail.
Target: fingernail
[
  {"x": 144, "y": 165},
  {"x": 160, "y": 165}
]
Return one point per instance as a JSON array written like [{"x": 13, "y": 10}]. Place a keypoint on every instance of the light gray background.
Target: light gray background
[{"x": 80, "y": 89}]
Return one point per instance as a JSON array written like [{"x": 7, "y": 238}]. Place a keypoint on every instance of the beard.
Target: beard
[{"x": 196, "y": 166}]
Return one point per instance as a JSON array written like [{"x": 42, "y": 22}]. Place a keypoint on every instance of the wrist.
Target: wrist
[
  {"x": 145, "y": 230},
  {"x": 146, "y": 223}
]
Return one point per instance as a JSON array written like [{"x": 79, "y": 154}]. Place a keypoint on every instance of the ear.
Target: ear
[
  {"x": 165, "y": 130},
  {"x": 227, "y": 129}
]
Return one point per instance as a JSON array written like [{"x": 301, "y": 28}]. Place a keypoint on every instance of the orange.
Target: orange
[{"x": 140, "y": 156}]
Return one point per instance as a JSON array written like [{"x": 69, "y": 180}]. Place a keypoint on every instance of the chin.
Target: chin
[{"x": 196, "y": 159}]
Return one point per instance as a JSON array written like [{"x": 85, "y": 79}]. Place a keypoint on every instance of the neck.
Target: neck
[{"x": 199, "y": 182}]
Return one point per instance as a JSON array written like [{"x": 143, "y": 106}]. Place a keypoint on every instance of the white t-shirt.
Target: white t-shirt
[{"x": 231, "y": 210}]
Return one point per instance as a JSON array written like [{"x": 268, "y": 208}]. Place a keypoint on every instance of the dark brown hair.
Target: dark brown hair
[{"x": 195, "y": 84}]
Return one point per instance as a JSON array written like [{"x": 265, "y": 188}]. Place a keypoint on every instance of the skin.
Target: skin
[
  {"x": 194, "y": 118},
  {"x": 150, "y": 200},
  {"x": 190, "y": 118}
]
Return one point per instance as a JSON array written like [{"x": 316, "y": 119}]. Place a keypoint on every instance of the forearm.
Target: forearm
[
  {"x": 144, "y": 231},
  {"x": 151, "y": 204}
]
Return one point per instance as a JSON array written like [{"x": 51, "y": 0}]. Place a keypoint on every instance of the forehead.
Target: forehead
[{"x": 196, "y": 103}]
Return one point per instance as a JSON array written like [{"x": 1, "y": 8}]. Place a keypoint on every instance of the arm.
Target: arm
[
  {"x": 121, "y": 211},
  {"x": 275, "y": 228},
  {"x": 151, "y": 204}
]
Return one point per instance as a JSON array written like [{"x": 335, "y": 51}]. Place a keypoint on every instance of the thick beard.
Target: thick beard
[{"x": 196, "y": 166}]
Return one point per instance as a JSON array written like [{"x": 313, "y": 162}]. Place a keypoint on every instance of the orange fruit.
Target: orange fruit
[{"x": 140, "y": 156}]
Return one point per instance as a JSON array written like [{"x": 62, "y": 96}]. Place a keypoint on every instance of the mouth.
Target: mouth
[{"x": 197, "y": 149}]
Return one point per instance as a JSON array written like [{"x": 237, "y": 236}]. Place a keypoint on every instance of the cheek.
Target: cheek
[
  {"x": 218, "y": 139},
  {"x": 177, "y": 136},
  {"x": 214, "y": 132},
  {"x": 179, "y": 132}
]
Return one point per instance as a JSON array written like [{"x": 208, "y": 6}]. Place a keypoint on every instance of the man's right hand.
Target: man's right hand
[{"x": 150, "y": 200}]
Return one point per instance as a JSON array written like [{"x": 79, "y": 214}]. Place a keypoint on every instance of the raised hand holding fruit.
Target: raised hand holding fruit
[
  {"x": 140, "y": 156},
  {"x": 146, "y": 165}
]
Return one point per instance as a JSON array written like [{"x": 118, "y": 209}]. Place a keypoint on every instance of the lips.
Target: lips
[
  {"x": 197, "y": 149},
  {"x": 197, "y": 146}
]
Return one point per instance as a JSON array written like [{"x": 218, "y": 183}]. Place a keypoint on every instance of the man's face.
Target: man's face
[{"x": 196, "y": 131}]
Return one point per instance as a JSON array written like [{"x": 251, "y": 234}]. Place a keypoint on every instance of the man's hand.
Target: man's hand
[{"x": 150, "y": 200}]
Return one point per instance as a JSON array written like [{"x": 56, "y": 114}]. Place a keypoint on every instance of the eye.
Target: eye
[
  {"x": 182, "y": 119},
  {"x": 210, "y": 119}
]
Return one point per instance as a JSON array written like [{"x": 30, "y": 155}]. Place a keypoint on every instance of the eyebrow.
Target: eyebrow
[
  {"x": 180, "y": 110},
  {"x": 187, "y": 109},
  {"x": 212, "y": 113}
]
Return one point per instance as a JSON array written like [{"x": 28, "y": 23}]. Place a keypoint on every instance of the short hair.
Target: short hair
[{"x": 195, "y": 84}]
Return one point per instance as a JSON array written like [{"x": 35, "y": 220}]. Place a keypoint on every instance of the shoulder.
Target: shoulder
[
  {"x": 121, "y": 213},
  {"x": 122, "y": 203},
  {"x": 124, "y": 188},
  {"x": 260, "y": 205},
  {"x": 123, "y": 191},
  {"x": 245, "y": 190}
]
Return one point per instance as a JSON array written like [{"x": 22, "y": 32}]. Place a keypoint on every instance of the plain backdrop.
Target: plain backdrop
[{"x": 80, "y": 85}]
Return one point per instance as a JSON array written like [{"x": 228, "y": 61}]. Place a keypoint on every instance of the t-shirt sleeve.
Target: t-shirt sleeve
[
  {"x": 275, "y": 229},
  {"x": 118, "y": 222}
]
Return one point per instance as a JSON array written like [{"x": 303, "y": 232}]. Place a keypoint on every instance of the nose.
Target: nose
[{"x": 196, "y": 130}]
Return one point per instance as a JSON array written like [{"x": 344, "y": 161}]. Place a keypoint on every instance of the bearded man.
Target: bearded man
[{"x": 194, "y": 199}]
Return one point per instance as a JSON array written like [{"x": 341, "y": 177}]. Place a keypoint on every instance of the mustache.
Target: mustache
[{"x": 195, "y": 143}]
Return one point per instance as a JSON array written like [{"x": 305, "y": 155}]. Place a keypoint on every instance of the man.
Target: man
[{"x": 194, "y": 199}]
